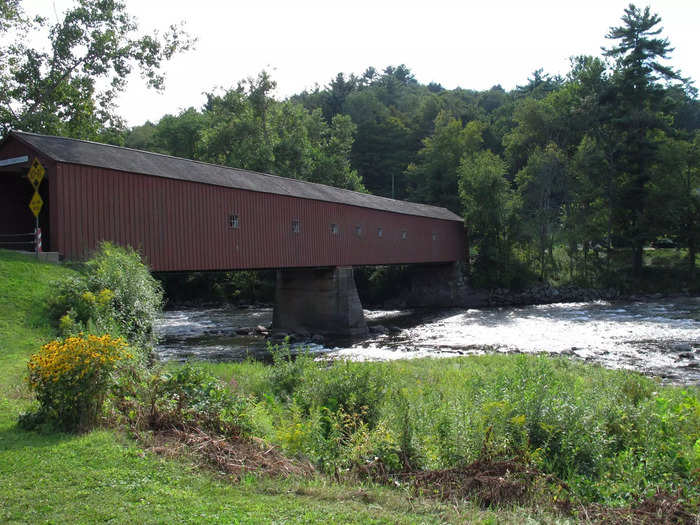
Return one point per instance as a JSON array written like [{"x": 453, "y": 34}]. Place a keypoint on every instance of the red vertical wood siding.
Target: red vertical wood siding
[{"x": 181, "y": 225}]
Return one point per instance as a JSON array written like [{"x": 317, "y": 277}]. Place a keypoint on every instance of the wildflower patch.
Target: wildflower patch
[{"x": 70, "y": 379}]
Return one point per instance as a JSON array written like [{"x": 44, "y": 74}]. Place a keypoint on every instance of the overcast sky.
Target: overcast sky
[{"x": 471, "y": 44}]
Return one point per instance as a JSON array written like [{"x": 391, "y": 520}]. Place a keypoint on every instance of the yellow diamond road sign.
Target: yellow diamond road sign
[
  {"x": 36, "y": 204},
  {"x": 36, "y": 173}
]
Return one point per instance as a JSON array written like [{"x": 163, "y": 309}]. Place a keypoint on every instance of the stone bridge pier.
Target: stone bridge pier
[{"x": 319, "y": 301}]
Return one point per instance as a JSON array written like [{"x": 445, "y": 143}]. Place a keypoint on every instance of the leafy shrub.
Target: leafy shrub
[
  {"x": 288, "y": 373},
  {"x": 115, "y": 294},
  {"x": 187, "y": 398},
  {"x": 332, "y": 409},
  {"x": 138, "y": 297},
  {"x": 612, "y": 436},
  {"x": 70, "y": 379},
  {"x": 351, "y": 388},
  {"x": 87, "y": 311}
]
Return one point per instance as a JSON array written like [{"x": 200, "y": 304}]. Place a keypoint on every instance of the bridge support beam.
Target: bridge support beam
[{"x": 319, "y": 301}]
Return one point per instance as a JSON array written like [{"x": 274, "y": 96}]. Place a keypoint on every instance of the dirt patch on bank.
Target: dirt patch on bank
[
  {"x": 232, "y": 456},
  {"x": 660, "y": 509},
  {"x": 487, "y": 482},
  {"x": 497, "y": 483}
]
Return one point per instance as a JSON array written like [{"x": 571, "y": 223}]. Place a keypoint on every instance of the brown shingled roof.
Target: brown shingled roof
[{"x": 88, "y": 153}]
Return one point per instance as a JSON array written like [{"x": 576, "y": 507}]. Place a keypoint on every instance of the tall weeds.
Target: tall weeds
[{"x": 610, "y": 435}]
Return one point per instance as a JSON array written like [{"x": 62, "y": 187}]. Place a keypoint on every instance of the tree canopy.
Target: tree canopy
[
  {"x": 564, "y": 178},
  {"x": 69, "y": 86}
]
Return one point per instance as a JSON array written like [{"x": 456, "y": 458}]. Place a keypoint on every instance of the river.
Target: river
[{"x": 660, "y": 338}]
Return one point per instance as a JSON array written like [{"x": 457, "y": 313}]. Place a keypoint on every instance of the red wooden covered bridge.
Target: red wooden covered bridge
[{"x": 184, "y": 215}]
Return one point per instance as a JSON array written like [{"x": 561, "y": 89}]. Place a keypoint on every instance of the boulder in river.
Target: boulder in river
[{"x": 682, "y": 347}]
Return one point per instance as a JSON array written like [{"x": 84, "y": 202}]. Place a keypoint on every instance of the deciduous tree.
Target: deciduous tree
[{"x": 70, "y": 88}]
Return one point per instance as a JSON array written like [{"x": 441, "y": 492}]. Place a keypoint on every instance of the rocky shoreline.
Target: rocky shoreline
[
  {"x": 570, "y": 294},
  {"x": 461, "y": 296}
]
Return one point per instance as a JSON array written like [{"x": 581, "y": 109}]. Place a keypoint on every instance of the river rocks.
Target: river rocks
[
  {"x": 318, "y": 339},
  {"x": 545, "y": 294},
  {"x": 682, "y": 347},
  {"x": 243, "y": 331},
  {"x": 279, "y": 337},
  {"x": 379, "y": 329},
  {"x": 686, "y": 355}
]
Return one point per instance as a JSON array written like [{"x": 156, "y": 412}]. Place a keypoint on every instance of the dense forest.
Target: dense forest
[{"x": 581, "y": 179}]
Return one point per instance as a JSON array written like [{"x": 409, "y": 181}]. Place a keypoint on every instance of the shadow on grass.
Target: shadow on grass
[{"x": 15, "y": 438}]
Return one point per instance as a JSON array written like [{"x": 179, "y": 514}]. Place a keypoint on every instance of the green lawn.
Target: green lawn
[{"x": 104, "y": 476}]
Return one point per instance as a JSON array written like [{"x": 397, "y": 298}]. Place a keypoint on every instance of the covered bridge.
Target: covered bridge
[
  {"x": 185, "y": 215},
  {"x": 188, "y": 215}
]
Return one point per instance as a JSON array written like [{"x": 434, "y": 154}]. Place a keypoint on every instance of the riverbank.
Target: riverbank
[{"x": 105, "y": 475}]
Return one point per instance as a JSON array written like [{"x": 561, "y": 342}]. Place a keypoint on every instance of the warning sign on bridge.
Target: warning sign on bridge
[
  {"x": 36, "y": 174},
  {"x": 36, "y": 203}
]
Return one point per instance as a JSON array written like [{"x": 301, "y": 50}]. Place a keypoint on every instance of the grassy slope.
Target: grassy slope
[{"x": 104, "y": 476}]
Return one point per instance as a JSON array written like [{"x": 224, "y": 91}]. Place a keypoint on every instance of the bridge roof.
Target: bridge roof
[{"x": 82, "y": 152}]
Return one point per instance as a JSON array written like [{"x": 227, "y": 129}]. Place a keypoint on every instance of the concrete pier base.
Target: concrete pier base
[{"x": 319, "y": 301}]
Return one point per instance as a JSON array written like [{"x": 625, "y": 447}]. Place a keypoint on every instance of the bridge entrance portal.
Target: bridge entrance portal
[{"x": 17, "y": 222}]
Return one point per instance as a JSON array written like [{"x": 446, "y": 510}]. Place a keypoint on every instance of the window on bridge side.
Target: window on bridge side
[
  {"x": 296, "y": 226},
  {"x": 435, "y": 236},
  {"x": 334, "y": 229},
  {"x": 404, "y": 234},
  {"x": 380, "y": 232},
  {"x": 233, "y": 221},
  {"x": 358, "y": 231}
]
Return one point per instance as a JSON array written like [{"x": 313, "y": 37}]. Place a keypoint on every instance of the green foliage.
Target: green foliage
[
  {"x": 69, "y": 86},
  {"x": 79, "y": 310},
  {"x": 289, "y": 372},
  {"x": 188, "y": 397},
  {"x": 342, "y": 386},
  {"x": 434, "y": 178},
  {"x": 115, "y": 293},
  {"x": 612, "y": 436},
  {"x": 346, "y": 387},
  {"x": 639, "y": 113},
  {"x": 333, "y": 409},
  {"x": 247, "y": 128},
  {"x": 545, "y": 189},
  {"x": 489, "y": 209}
]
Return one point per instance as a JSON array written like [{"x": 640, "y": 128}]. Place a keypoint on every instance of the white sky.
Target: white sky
[{"x": 471, "y": 44}]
